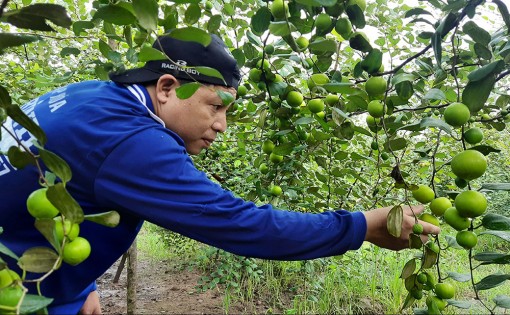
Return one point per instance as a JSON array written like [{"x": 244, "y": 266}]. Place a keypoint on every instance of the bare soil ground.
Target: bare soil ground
[{"x": 161, "y": 289}]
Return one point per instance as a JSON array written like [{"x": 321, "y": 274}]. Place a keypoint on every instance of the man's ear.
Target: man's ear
[{"x": 165, "y": 85}]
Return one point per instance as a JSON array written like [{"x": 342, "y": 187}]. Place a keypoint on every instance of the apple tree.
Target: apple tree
[{"x": 344, "y": 104}]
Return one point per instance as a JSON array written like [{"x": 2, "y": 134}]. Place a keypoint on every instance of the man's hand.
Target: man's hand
[
  {"x": 377, "y": 232},
  {"x": 91, "y": 305}
]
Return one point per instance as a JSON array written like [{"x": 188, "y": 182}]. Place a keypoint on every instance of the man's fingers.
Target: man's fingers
[
  {"x": 415, "y": 209},
  {"x": 429, "y": 228}
]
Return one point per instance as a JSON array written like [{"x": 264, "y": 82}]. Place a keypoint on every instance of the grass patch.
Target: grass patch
[{"x": 366, "y": 281}]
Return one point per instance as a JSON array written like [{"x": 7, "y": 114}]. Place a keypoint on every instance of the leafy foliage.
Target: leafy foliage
[{"x": 430, "y": 56}]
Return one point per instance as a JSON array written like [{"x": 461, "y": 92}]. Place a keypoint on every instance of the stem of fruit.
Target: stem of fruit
[
  {"x": 434, "y": 171},
  {"x": 329, "y": 173},
  {"x": 471, "y": 269},
  {"x": 439, "y": 279},
  {"x": 36, "y": 157},
  {"x": 454, "y": 70}
]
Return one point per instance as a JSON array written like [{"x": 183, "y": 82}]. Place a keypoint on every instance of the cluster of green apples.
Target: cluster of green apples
[
  {"x": 11, "y": 291},
  {"x": 468, "y": 205},
  {"x": 75, "y": 248}
]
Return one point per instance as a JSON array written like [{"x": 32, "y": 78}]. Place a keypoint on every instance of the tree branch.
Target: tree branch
[
  {"x": 3, "y": 6},
  {"x": 502, "y": 75},
  {"x": 408, "y": 60}
]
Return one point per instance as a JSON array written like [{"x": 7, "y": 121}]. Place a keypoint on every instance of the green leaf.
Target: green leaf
[
  {"x": 356, "y": 16},
  {"x": 21, "y": 118},
  {"x": 5, "y": 98},
  {"x": 460, "y": 304},
  {"x": 405, "y": 90},
  {"x": 476, "y": 93},
  {"x": 362, "y": 131},
  {"x": 478, "y": 34},
  {"x": 12, "y": 40},
  {"x": 430, "y": 258},
  {"x": 401, "y": 77},
  {"x": 187, "y": 90},
  {"x": 260, "y": 20},
  {"x": 34, "y": 17},
  {"x": 491, "y": 69},
  {"x": 408, "y": 269},
  {"x": 482, "y": 51},
  {"x": 435, "y": 94},
  {"x": 146, "y": 12},
  {"x": 284, "y": 149},
  {"x": 498, "y": 125},
  {"x": 148, "y": 54},
  {"x": 460, "y": 277},
  {"x": 46, "y": 227},
  {"x": 494, "y": 221},
  {"x": 373, "y": 61},
  {"x": 254, "y": 40},
  {"x": 192, "y": 14},
  {"x": 6, "y": 251},
  {"x": 496, "y": 186},
  {"x": 79, "y": 26},
  {"x": 65, "y": 203},
  {"x": 346, "y": 130},
  {"x": 104, "y": 48},
  {"x": 360, "y": 42},
  {"x": 489, "y": 257},
  {"x": 109, "y": 219},
  {"x": 340, "y": 87},
  {"x": 38, "y": 259},
  {"x": 226, "y": 97},
  {"x": 18, "y": 158},
  {"x": 210, "y": 72},
  {"x": 502, "y": 301},
  {"x": 317, "y": 3},
  {"x": 408, "y": 302},
  {"x": 239, "y": 57},
  {"x": 191, "y": 34},
  {"x": 281, "y": 28},
  {"x": 323, "y": 45},
  {"x": 395, "y": 144},
  {"x": 214, "y": 24},
  {"x": 491, "y": 281},
  {"x": 56, "y": 165},
  {"x": 436, "y": 123},
  {"x": 416, "y": 11},
  {"x": 33, "y": 303},
  {"x": 436, "y": 47},
  {"x": 447, "y": 24},
  {"x": 304, "y": 121},
  {"x": 394, "y": 221},
  {"x": 185, "y": 1},
  {"x": 115, "y": 14},
  {"x": 500, "y": 234},
  {"x": 485, "y": 149},
  {"x": 502, "y": 260},
  {"x": 66, "y": 51},
  {"x": 504, "y": 12}
]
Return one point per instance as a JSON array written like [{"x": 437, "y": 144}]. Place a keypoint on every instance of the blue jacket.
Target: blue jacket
[{"x": 123, "y": 159}]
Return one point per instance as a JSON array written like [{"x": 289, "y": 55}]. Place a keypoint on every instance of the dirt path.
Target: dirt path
[{"x": 161, "y": 289}]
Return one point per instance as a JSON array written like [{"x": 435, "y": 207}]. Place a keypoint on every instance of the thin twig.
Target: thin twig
[
  {"x": 502, "y": 75},
  {"x": 3, "y": 6}
]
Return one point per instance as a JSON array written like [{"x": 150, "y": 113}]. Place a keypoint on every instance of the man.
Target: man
[{"x": 127, "y": 142}]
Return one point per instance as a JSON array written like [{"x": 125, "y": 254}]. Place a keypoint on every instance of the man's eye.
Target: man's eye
[{"x": 217, "y": 107}]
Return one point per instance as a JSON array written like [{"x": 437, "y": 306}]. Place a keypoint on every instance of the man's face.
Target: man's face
[{"x": 198, "y": 119}]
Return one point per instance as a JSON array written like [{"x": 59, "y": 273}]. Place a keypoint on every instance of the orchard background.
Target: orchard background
[{"x": 319, "y": 148}]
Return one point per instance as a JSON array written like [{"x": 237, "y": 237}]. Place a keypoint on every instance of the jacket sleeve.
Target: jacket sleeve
[{"x": 150, "y": 176}]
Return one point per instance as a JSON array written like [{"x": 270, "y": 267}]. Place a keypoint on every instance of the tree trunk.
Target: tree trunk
[{"x": 131, "y": 279}]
